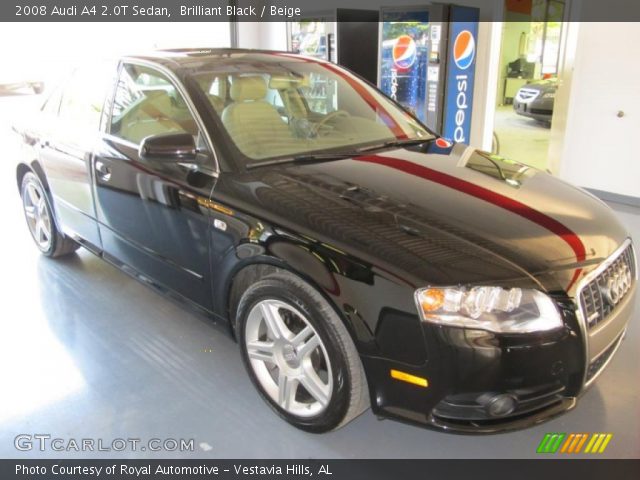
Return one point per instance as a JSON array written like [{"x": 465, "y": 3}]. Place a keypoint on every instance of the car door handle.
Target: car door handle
[{"x": 103, "y": 171}]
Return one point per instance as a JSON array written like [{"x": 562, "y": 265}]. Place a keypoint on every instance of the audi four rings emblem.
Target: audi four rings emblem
[{"x": 617, "y": 285}]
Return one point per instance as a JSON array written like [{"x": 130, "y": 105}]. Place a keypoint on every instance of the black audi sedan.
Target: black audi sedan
[{"x": 359, "y": 259}]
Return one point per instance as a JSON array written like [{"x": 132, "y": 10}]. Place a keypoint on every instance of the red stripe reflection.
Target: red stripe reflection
[
  {"x": 490, "y": 196},
  {"x": 362, "y": 91}
]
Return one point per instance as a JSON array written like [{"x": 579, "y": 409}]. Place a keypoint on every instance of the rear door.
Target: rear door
[
  {"x": 154, "y": 216},
  {"x": 66, "y": 151}
]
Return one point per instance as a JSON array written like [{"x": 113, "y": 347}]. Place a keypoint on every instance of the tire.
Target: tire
[
  {"x": 40, "y": 219},
  {"x": 309, "y": 372}
]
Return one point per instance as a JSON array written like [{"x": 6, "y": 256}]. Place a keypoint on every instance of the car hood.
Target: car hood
[
  {"x": 543, "y": 86},
  {"x": 438, "y": 216}
]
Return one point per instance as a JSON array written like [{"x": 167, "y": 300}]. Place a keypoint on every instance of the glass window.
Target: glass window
[
  {"x": 147, "y": 103},
  {"x": 321, "y": 94},
  {"x": 83, "y": 96},
  {"x": 279, "y": 106}
]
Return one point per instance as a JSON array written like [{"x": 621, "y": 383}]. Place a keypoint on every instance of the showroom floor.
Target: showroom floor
[
  {"x": 521, "y": 138},
  {"x": 87, "y": 352}
]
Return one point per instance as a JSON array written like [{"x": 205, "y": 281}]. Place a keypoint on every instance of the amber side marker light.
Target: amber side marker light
[
  {"x": 407, "y": 377},
  {"x": 431, "y": 300}
]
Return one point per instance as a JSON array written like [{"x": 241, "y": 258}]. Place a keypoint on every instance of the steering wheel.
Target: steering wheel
[{"x": 329, "y": 117}]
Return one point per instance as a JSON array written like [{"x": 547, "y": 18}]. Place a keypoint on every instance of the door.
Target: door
[
  {"x": 67, "y": 149},
  {"x": 153, "y": 216}
]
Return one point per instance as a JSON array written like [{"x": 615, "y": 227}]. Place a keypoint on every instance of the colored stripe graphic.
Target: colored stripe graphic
[
  {"x": 572, "y": 443},
  {"x": 598, "y": 443},
  {"x": 550, "y": 443}
]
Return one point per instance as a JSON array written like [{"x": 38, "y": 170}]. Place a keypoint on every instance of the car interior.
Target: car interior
[
  {"x": 147, "y": 104},
  {"x": 269, "y": 114}
]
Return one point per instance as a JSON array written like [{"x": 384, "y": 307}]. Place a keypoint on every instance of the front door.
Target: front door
[{"x": 153, "y": 216}]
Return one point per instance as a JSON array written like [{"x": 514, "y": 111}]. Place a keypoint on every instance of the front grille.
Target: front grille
[
  {"x": 598, "y": 363},
  {"x": 540, "y": 111},
  {"x": 595, "y": 305},
  {"x": 525, "y": 94}
]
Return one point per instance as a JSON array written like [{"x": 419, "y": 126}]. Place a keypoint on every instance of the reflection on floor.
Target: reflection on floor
[
  {"x": 87, "y": 352},
  {"x": 522, "y": 139}
]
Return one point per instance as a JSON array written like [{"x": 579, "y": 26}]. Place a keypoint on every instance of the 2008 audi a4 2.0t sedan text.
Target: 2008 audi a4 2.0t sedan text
[{"x": 360, "y": 259}]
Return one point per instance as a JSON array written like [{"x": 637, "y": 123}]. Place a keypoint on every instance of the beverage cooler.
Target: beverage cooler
[
  {"x": 344, "y": 36},
  {"x": 427, "y": 63}
]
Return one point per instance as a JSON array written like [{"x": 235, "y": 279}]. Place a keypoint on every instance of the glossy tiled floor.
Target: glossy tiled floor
[
  {"x": 521, "y": 138},
  {"x": 86, "y": 352}
]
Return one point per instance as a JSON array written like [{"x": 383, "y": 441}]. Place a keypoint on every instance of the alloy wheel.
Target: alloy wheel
[
  {"x": 37, "y": 214},
  {"x": 288, "y": 358}
]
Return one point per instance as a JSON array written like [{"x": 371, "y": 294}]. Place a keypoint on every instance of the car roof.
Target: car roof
[{"x": 181, "y": 58}]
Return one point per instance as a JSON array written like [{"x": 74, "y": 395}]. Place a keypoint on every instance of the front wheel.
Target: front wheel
[
  {"x": 39, "y": 216},
  {"x": 299, "y": 354}
]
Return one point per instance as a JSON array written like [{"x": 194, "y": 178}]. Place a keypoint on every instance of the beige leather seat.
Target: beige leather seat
[
  {"x": 156, "y": 114},
  {"x": 254, "y": 125}
]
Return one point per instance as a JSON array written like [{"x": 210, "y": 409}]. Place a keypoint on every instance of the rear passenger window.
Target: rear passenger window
[
  {"x": 83, "y": 97},
  {"x": 147, "y": 103}
]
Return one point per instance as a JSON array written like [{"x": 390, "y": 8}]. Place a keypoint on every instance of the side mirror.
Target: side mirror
[{"x": 169, "y": 147}]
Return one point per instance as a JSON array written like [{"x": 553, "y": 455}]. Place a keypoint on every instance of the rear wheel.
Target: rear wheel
[
  {"x": 39, "y": 216},
  {"x": 299, "y": 355}
]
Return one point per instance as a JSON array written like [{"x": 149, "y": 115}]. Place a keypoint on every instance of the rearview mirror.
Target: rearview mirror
[{"x": 169, "y": 147}]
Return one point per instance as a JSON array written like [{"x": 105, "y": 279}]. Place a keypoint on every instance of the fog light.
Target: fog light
[{"x": 500, "y": 405}]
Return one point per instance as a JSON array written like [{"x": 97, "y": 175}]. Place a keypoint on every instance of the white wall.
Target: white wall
[
  {"x": 598, "y": 149},
  {"x": 262, "y": 35},
  {"x": 58, "y": 45}
]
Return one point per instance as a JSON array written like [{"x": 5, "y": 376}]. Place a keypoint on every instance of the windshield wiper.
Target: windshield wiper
[
  {"x": 327, "y": 157},
  {"x": 304, "y": 158},
  {"x": 408, "y": 142}
]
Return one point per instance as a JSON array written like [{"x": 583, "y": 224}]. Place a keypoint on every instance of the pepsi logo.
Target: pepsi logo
[
  {"x": 464, "y": 49},
  {"x": 404, "y": 52},
  {"x": 443, "y": 143}
]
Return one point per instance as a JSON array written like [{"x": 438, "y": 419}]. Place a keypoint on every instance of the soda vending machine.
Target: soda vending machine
[{"x": 427, "y": 63}]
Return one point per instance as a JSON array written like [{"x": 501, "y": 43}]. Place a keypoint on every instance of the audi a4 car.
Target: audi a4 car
[
  {"x": 535, "y": 100},
  {"x": 358, "y": 258}
]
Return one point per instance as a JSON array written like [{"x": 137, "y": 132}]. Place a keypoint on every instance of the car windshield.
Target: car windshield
[{"x": 281, "y": 105}]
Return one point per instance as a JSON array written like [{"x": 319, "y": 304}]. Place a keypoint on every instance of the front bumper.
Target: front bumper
[
  {"x": 539, "y": 109},
  {"x": 544, "y": 373}
]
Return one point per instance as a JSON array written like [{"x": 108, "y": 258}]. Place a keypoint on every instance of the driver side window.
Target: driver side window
[{"x": 147, "y": 103}]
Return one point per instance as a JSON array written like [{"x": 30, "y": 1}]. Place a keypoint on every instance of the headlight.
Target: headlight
[
  {"x": 549, "y": 95},
  {"x": 489, "y": 308}
]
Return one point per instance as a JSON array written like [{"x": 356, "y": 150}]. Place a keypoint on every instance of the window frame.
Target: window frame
[{"x": 177, "y": 84}]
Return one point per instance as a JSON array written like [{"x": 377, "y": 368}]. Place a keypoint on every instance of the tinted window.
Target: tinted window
[{"x": 147, "y": 103}]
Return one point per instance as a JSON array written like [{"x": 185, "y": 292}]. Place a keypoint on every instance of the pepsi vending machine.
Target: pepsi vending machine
[{"x": 426, "y": 62}]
